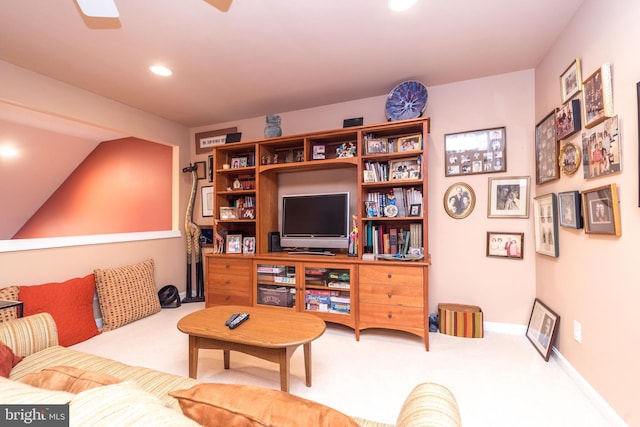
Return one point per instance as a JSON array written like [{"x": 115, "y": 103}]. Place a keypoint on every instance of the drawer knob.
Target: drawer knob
[
  {"x": 389, "y": 295},
  {"x": 227, "y": 282},
  {"x": 389, "y": 275},
  {"x": 389, "y": 315},
  {"x": 227, "y": 266}
]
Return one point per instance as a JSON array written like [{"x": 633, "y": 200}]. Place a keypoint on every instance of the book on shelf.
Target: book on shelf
[
  {"x": 270, "y": 269},
  {"x": 337, "y": 284}
]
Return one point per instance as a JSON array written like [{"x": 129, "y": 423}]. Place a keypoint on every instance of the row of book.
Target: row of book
[
  {"x": 382, "y": 239},
  {"x": 327, "y": 301},
  {"x": 407, "y": 200}
]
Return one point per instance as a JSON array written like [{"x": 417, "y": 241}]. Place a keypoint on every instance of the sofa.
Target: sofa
[{"x": 101, "y": 391}]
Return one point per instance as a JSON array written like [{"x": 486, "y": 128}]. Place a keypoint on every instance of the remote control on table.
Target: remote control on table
[
  {"x": 238, "y": 320},
  {"x": 231, "y": 319}
]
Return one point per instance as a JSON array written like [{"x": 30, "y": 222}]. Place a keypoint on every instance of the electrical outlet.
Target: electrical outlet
[{"x": 577, "y": 331}]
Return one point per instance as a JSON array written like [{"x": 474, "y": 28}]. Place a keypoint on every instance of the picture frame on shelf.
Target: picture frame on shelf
[
  {"x": 505, "y": 244},
  {"x": 248, "y": 212},
  {"x": 234, "y": 243},
  {"x": 201, "y": 171},
  {"x": 376, "y": 145},
  {"x": 228, "y": 212},
  {"x": 547, "y": 168},
  {"x": 509, "y": 197},
  {"x": 415, "y": 210},
  {"x": 568, "y": 119},
  {"x": 546, "y": 224},
  {"x": 570, "y": 81},
  {"x": 601, "y": 153},
  {"x": 409, "y": 143},
  {"x": 570, "y": 158},
  {"x": 210, "y": 168},
  {"x": 372, "y": 209},
  {"x": 404, "y": 169},
  {"x": 459, "y": 200},
  {"x": 249, "y": 245},
  {"x": 205, "y": 141},
  {"x": 476, "y": 151},
  {"x": 207, "y": 200},
  {"x": 368, "y": 175},
  {"x": 570, "y": 209},
  {"x": 597, "y": 93},
  {"x": 319, "y": 152},
  {"x": 542, "y": 328},
  {"x": 601, "y": 210}
]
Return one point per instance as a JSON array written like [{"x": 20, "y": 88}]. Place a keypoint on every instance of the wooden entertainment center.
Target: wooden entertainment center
[{"x": 357, "y": 289}]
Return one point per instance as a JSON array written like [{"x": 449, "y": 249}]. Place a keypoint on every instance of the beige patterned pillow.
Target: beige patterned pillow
[
  {"x": 9, "y": 293},
  {"x": 126, "y": 294}
]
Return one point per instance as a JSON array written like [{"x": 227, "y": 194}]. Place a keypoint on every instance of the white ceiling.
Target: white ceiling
[
  {"x": 258, "y": 58},
  {"x": 273, "y": 56}
]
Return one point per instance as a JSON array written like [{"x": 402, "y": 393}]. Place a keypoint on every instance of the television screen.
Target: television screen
[{"x": 315, "y": 220}]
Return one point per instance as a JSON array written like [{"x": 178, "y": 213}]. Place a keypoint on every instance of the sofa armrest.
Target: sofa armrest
[
  {"x": 429, "y": 404},
  {"x": 30, "y": 334}
]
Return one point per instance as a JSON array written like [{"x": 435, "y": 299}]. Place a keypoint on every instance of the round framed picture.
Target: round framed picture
[
  {"x": 569, "y": 158},
  {"x": 459, "y": 200}
]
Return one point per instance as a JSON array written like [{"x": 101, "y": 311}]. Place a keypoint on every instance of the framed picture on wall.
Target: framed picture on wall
[
  {"x": 542, "y": 328},
  {"x": 459, "y": 200},
  {"x": 546, "y": 224},
  {"x": 571, "y": 81},
  {"x": 210, "y": 169},
  {"x": 598, "y": 96},
  {"x": 547, "y": 150},
  {"x": 205, "y": 141},
  {"x": 568, "y": 119},
  {"x": 508, "y": 197},
  {"x": 207, "y": 200},
  {"x": 476, "y": 151},
  {"x": 601, "y": 154},
  {"x": 505, "y": 245},
  {"x": 570, "y": 209},
  {"x": 601, "y": 210},
  {"x": 570, "y": 158}
]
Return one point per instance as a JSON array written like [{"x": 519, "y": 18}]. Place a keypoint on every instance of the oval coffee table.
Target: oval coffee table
[{"x": 270, "y": 333}]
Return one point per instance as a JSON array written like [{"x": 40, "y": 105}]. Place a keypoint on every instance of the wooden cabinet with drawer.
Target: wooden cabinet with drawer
[
  {"x": 228, "y": 281},
  {"x": 394, "y": 297}
]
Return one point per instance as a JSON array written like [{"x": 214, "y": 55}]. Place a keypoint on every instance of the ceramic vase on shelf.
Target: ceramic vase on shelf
[{"x": 272, "y": 129}]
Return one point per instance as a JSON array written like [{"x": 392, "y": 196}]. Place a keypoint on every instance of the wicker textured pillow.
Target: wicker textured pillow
[
  {"x": 10, "y": 293},
  {"x": 126, "y": 294}
]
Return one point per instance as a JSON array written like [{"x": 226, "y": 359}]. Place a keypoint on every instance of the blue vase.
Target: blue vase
[{"x": 272, "y": 129}]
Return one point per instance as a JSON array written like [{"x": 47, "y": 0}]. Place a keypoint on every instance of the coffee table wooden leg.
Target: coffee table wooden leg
[
  {"x": 307, "y": 363},
  {"x": 193, "y": 357},
  {"x": 285, "y": 359},
  {"x": 226, "y": 358}
]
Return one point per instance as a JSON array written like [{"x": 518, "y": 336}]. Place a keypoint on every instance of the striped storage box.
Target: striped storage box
[{"x": 461, "y": 320}]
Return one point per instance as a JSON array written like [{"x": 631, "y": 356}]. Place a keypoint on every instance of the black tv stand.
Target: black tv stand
[{"x": 324, "y": 253}]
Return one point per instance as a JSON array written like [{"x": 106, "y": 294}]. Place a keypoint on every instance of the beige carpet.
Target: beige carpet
[{"x": 499, "y": 380}]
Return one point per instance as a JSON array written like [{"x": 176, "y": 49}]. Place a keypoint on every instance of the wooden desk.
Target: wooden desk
[{"x": 271, "y": 334}]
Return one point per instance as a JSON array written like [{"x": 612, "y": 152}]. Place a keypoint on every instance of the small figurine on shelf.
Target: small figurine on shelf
[
  {"x": 346, "y": 149},
  {"x": 353, "y": 238}
]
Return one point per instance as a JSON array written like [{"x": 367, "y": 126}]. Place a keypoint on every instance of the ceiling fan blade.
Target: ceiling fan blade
[
  {"x": 99, "y": 8},
  {"x": 222, "y": 5}
]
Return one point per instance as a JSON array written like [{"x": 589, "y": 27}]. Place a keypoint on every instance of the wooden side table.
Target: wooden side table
[{"x": 8, "y": 304}]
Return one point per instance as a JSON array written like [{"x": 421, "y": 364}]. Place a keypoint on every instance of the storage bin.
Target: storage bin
[{"x": 461, "y": 320}]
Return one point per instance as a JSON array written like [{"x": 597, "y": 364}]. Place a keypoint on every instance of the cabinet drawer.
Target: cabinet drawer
[
  {"x": 410, "y": 317},
  {"x": 392, "y": 275},
  {"x": 219, "y": 297},
  {"x": 228, "y": 282},
  {"x": 411, "y": 296},
  {"x": 235, "y": 267}
]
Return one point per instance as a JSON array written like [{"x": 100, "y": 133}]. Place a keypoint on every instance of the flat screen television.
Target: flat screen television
[{"x": 315, "y": 221}]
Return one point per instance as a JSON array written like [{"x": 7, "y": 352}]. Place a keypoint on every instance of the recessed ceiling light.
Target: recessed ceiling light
[
  {"x": 401, "y": 5},
  {"x": 160, "y": 70},
  {"x": 8, "y": 151}
]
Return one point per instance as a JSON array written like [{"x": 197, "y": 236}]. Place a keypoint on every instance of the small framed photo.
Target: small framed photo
[
  {"x": 248, "y": 212},
  {"x": 571, "y": 81},
  {"x": 570, "y": 158},
  {"x": 415, "y": 210},
  {"x": 478, "y": 151},
  {"x": 319, "y": 152},
  {"x": 368, "y": 175},
  {"x": 547, "y": 168},
  {"x": 570, "y": 209},
  {"x": 234, "y": 243},
  {"x": 372, "y": 209},
  {"x": 376, "y": 145},
  {"x": 546, "y": 224},
  {"x": 210, "y": 169},
  {"x": 508, "y": 197},
  {"x": 598, "y": 96},
  {"x": 205, "y": 141},
  {"x": 568, "y": 119},
  {"x": 207, "y": 200},
  {"x": 410, "y": 143},
  {"x": 459, "y": 200},
  {"x": 601, "y": 210},
  {"x": 601, "y": 154},
  {"x": 404, "y": 169},
  {"x": 201, "y": 170},
  {"x": 542, "y": 328},
  {"x": 249, "y": 245},
  {"x": 505, "y": 245},
  {"x": 228, "y": 212}
]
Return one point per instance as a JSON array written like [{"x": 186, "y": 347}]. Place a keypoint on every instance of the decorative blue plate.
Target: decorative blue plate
[{"x": 406, "y": 101}]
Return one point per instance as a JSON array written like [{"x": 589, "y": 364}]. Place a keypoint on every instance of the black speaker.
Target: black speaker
[
  {"x": 356, "y": 121},
  {"x": 274, "y": 241}
]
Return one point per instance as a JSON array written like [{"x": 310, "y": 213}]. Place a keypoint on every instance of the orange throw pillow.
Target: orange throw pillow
[
  {"x": 7, "y": 360},
  {"x": 251, "y": 406},
  {"x": 68, "y": 378},
  {"x": 70, "y": 304}
]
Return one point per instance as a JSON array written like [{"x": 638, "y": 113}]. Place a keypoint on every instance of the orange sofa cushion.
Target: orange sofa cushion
[{"x": 68, "y": 378}]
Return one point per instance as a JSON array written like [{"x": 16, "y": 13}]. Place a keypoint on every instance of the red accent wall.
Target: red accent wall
[{"x": 123, "y": 186}]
